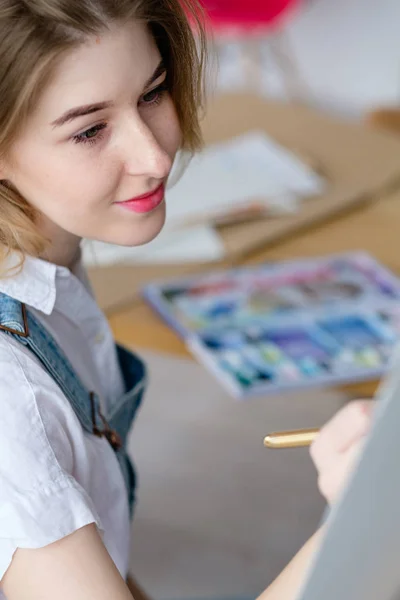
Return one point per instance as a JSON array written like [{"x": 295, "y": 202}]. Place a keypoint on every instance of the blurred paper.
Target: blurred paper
[
  {"x": 250, "y": 171},
  {"x": 195, "y": 244}
]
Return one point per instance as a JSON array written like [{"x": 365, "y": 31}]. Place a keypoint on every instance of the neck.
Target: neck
[
  {"x": 64, "y": 256},
  {"x": 64, "y": 247}
]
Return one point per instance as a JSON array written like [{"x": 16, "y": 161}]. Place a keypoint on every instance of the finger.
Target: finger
[
  {"x": 342, "y": 431},
  {"x": 332, "y": 482},
  {"x": 348, "y": 424}
]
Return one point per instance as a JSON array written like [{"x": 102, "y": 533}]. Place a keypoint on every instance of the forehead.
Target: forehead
[{"x": 104, "y": 68}]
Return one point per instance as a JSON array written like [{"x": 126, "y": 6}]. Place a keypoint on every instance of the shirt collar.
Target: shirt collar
[{"x": 34, "y": 283}]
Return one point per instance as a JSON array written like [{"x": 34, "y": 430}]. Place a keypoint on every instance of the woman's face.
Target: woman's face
[{"x": 104, "y": 133}]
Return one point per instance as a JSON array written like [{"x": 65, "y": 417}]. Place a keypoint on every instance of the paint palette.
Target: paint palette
[{"x": 288, "y": 325}]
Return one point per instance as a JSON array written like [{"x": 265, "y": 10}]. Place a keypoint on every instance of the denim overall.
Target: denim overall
[{"x": 115, "y": 425}]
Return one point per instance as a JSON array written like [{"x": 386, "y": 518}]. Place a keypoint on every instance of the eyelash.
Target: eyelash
[
  {"x": 95, "y": 132},
  {"x": 159, "y": 91}
]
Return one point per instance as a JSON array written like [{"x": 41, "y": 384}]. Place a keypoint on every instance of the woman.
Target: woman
[{"x": 97, "y": 96}]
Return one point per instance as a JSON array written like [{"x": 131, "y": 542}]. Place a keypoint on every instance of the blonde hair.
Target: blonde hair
[{"x": 34, "y": 35}]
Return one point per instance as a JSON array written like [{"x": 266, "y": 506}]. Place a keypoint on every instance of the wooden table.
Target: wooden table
[{"x": 374, "y": 228}]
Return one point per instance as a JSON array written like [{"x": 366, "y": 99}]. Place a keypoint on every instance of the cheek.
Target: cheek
[
  {"x": 169, "y": 132},
  {"x": 43, "y": 177}
]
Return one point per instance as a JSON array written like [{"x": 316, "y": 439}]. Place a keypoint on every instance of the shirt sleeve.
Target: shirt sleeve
[{"x": 40, "y": 500}]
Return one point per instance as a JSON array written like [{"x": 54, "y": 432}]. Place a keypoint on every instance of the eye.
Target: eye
[
  {"x": 91, "y": 135},
  {"x": 155, "y": 96}
]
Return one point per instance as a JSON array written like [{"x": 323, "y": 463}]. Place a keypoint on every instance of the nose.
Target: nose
[{"x": 143, "y": 153}]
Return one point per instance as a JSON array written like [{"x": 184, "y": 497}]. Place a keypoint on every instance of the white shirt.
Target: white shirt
[{"x": 54, "y": 477}]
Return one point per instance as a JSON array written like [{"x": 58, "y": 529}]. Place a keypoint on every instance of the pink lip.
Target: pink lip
[{"x": 147, "y": 202}]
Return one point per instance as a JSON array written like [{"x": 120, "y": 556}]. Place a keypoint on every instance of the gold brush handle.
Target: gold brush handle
[{"x": 291, "y": 439}]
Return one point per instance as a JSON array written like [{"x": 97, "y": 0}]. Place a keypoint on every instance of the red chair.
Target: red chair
[
  {"x": 251, "y": 22},
  {"x": 248, "y": 15}
]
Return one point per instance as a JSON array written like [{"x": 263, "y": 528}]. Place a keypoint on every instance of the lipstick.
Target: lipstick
[{"x": 145, "y": 203}]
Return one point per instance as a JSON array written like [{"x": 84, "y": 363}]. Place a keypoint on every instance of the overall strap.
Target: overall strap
[{"x": 23, "y": 325}]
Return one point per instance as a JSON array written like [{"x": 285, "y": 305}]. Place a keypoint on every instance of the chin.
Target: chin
[{"x": 144, "y": 232}]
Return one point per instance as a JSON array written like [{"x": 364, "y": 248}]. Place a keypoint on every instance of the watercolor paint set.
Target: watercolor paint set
[{"x": 289, "y": 325}]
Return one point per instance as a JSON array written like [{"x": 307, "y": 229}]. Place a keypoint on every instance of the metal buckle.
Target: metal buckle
[
  {"x": 110, "y": 434},
  {"x": 23, "y": 334}
]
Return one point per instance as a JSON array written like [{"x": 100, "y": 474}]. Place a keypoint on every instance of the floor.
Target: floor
[{"x": 218, "y": 514}]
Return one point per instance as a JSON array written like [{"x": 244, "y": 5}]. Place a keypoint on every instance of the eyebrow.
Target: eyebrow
[
  {"x": 160, "y": 70},
  {"x": 88, "y": 109}
]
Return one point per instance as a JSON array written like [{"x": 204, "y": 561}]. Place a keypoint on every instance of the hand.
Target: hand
[{"x": 338, "y": 445}]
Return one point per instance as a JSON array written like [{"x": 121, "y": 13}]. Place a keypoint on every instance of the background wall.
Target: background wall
[{"x": 347, "y": 54}]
